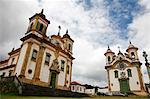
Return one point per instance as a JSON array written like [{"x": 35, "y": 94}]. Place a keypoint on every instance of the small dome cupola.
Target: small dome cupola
[
  {"x": 38, "y": 24},
  {"x": 108, "y": 51},
  {"x": 109, "y": 55},
  {"x": 67, "y": 36},
  {"x": 132, "y": 51}
]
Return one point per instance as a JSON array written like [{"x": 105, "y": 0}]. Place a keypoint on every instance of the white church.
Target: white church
[
  {"x": 124, "y": 71},
  {"x": 41, "y": 60}
]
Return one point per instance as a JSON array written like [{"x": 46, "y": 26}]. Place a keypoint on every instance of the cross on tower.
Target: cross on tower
[{"x": 59, "y": 29}]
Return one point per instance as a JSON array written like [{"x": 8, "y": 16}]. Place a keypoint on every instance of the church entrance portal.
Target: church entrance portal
[
  {"x": 53, "y": 80},
  {"x": 124, "y": 85}
]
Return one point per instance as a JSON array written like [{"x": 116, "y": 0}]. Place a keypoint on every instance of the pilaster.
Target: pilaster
[
  {"x": 25, "y": 61},
  {"x": 38, "y": 63}
]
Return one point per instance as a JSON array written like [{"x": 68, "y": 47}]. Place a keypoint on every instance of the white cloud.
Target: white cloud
[{"x": 139, "y": 33}]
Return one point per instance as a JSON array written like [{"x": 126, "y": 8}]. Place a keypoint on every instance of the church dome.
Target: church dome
[
  {"x": 131, "y": 46},
  {"x": 67, "y": 36},
  {"x": 109, "y": 51}
]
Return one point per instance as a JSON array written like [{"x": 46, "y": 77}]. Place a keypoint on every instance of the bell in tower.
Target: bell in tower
[
  {"x": 132, "y": 51},
  {"x": 68, "y": 42},
  {"x": 38, "y": 24}
]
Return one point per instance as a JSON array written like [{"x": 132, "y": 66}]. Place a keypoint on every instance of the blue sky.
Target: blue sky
[
  {"x": 120, "y": 13},
  {"x": 93, "y": 24}
]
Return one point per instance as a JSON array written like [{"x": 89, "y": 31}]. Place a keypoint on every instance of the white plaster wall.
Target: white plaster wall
[
  {"x": 103, "y": 90},
  {"x": 45, "y": 72},
  {"x": 134, "y": 79},
  {"x": 78, "y": 88},
  {"x": 6, "y": 71},
  {"x": 114, "y": 81},
  {"x": 21, "y": 58},
  {"x": 61, "y": 76},
  {"x": 31, "y": 64},
  {"x": 90, "y": 91}
]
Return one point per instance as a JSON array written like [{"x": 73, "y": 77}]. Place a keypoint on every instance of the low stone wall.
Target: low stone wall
[
  {"x": 34, "y": 90},
  {"x": 13, "y": 85},
  {"x": 7, "y": 85}
]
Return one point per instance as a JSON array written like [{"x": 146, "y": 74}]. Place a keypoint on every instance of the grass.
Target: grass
[{"x": 14, "y": 96}]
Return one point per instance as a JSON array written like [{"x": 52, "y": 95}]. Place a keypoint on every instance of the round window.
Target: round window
[{"x": 29, "y": 71}]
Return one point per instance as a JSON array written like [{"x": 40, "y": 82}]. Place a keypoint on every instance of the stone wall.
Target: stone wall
[
  {"x": 9, "y": 85},
  {"x": 34, "y": 90},
  {"x": 13, "y": 85}
]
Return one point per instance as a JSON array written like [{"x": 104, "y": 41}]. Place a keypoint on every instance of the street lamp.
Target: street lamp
[{"x": 146, "y": 63}]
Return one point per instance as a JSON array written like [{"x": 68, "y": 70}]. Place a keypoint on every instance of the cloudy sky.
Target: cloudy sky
[{"x": 93, "y": 24}]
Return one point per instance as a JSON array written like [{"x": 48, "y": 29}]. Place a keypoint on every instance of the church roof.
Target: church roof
[
  {"x": 14, "y": 51},
  {"x": 108, "y": 51},
  {"x": 75, "y": 83},
  {"x": 41, "y": 15},
  {"x": 131, "y": 46},
  {"x": 67, "y": 36}
]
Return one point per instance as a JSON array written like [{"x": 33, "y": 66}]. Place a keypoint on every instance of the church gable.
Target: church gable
[{"x": 121, "y": 64}]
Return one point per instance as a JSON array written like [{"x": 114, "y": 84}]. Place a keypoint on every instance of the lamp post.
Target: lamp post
[{"x": 146, "y": 63}]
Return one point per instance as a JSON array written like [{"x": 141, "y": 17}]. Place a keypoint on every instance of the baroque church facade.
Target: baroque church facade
[
  {"x": 41, "y": 60},
  {"x": 124, "y": 71}
]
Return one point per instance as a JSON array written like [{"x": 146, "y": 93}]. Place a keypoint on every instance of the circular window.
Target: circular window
[{"x": 29, "y": 71}]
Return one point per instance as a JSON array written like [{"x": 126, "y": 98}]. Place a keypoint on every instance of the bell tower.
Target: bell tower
[
  {"x": 109, "y": 56},
  {"x": 38, "y": 24},
  {"x": 132, "y": 51},
  {"x": 68, "y": 42}
]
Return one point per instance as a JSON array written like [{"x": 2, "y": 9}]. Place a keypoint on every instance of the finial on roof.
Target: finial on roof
[
  {"x": 130, "y": 42},
  {"x": 67, "y": 31},
  {"x": 13, "y": 49},
  {"x": 119, "y": 48},
  {"x": 42, "y": 11},
  {"x": 59, "y": 29},
  {"x": 108, "y": 47}
]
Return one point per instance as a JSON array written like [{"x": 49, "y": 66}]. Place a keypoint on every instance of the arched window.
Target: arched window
[
  {"x": 116, "y": 73},
  {"x": 69, "y": 46},
  {"x": 132, "y": 55},
  {"x": 129, "y": 73},
  {"x": 109, "y": 59},
  {"x": 38, "y": 25},
  {"x": 41, "y": 27}
]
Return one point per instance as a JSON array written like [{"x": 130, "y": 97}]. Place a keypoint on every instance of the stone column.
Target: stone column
[
  {"x": 39, "y": 63},
  {"x": 25, "y": 61}
]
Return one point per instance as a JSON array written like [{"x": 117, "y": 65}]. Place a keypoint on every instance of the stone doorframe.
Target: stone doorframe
[
  {"x": 124, "y": 79},
  {"x": 50, "y": 77}
]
